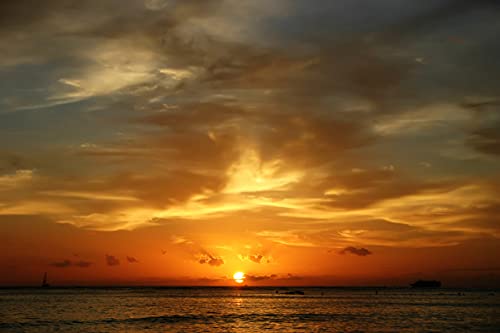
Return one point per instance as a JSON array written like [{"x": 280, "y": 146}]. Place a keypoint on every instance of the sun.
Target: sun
[{"x": 239, "y": 277}]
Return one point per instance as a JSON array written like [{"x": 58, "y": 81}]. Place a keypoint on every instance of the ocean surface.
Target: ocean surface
[{"x": 248, "y": 310}]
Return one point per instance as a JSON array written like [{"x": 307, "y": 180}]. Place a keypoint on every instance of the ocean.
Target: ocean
[{"x": 248, "y": 310}]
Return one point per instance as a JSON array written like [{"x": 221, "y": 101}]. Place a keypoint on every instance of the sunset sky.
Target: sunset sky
[{"x": 164, "y": 142}]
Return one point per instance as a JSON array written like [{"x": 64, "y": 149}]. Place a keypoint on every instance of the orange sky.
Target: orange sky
[{"x": 176, "y": 142}]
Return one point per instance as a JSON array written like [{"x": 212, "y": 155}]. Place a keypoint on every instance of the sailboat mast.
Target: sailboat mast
[{"x": 44, "y": 282}]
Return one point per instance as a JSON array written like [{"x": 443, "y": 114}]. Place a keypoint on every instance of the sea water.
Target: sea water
[{"x": 248, "y": 310}]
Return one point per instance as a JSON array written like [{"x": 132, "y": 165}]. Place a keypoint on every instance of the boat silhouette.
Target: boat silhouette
[
  {"x": 45, "y": 284},
  {"x": 426, "y": 284}
]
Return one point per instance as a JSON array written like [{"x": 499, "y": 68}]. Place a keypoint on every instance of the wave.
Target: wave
[{"x": 202, "y": 318}]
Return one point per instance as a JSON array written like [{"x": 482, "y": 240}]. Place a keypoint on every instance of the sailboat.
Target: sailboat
[{"x": 45, "y": 284}]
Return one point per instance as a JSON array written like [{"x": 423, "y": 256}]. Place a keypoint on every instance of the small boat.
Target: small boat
[
  {"x": 426, "y": 284},
  {"x": 45, "y": 284}
]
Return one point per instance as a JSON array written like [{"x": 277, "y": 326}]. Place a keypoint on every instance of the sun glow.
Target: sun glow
[
  {"x": 239, "y": 277},
  {"x": 251, "y": 174}
]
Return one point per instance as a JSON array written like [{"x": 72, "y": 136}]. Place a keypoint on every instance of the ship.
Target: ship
[
  {"x": 426, "y": 284},
  {"x": 45, "y": 284}
]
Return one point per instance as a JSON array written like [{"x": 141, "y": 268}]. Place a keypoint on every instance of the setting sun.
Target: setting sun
[{"x": 239, "y": 277}]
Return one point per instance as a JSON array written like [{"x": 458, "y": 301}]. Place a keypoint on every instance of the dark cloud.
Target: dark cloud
[
  {"x": 256, "y": 258},
  {"x": 10, "y": 162},
  {"x": 211, "y": 260},
  {"x": 19, "y": 13},
  {"x": 362, "y": 252},
  {"x": 68, "y": 263},
  {"x": 82, "y": 263},
  {"x": 363, "y": 188},
  {"x": 426, "y": 19},
  {"x": 189, "y": 117},
  {"x": 483, "y": 218},
  {"x": 132, "y": 260},
  {"x": 112, "y": 260},
  {"x": 272, "y": 277},
  {"x": 300, "y": 138},
  {"x": 486, "y": 140},
  {"x": 290, "y": 276},
  {"x": 30, "y": 12},
  {"x": 254, "y": 278},
  {"x": 305, "y": 79},
  {"x": 62, "y": 264},
  {"x": 482, "y": 103},
  {"x": 484, "y": 136},
  {"x": 201, "y": 255}
]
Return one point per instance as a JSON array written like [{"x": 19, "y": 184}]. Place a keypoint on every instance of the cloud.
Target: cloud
[
  {"x": 61, "y": 264},
  {"x": 362, "y": 252},
  {"x": 254, "y": 278},
  {"x": 17, "y": 179},
  {"x": 423, "y": 120},
  {"x": 132, "y": 260},
  {"x": 68, "y": 263},
  {"x": 94, "y": 42},
  {"x": 486, "y": 139},
  {"x": 272, "y": 277},
  {"x": 256, "y": 258},
  {"x": 481, "y": 103},
  {"x": 82, "y": 263},
  {"x": 210, "y": 260},
  {"x": 112, "y": 260}
]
